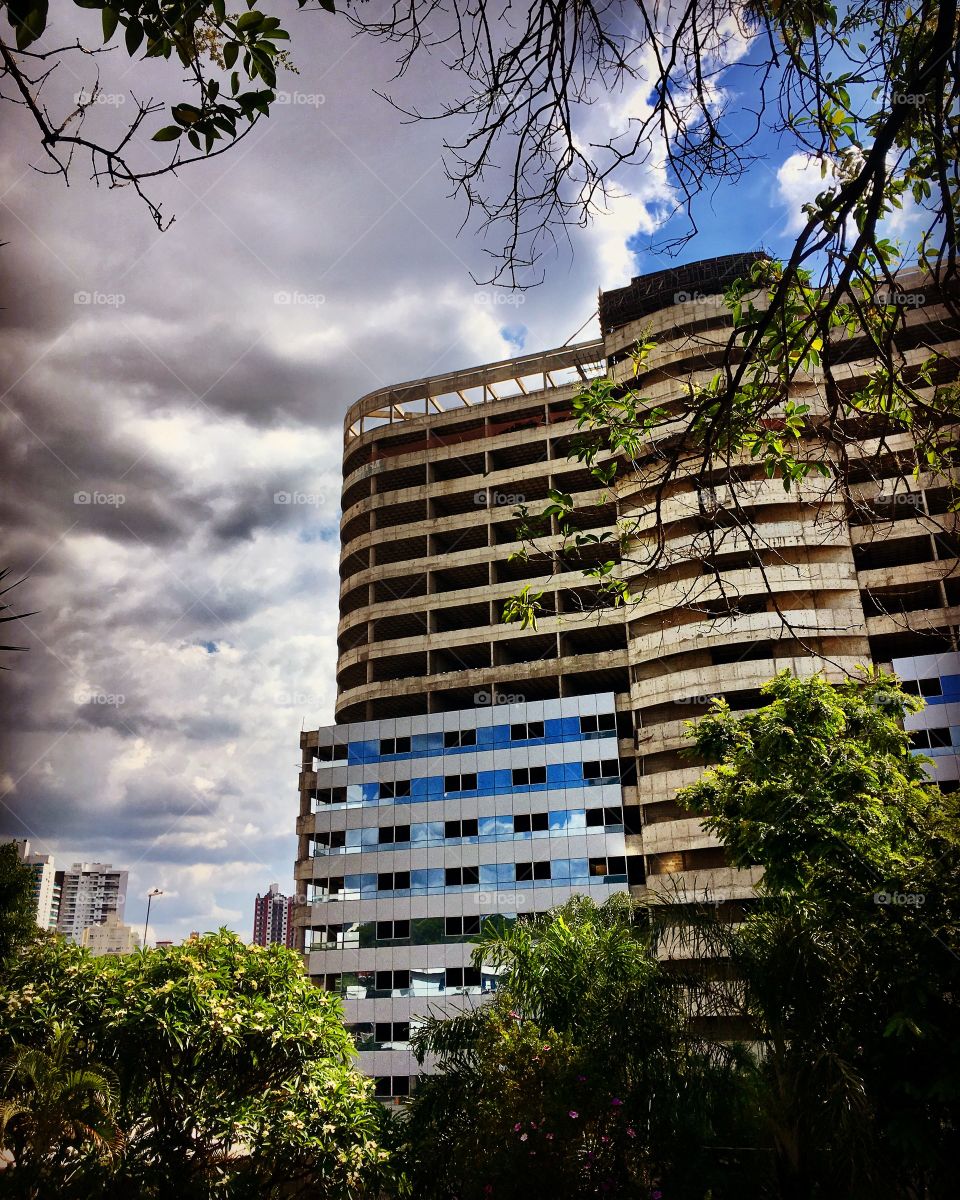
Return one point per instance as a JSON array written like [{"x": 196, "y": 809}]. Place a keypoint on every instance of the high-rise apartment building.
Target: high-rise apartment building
[
  {"x": 46, "y": 888},
  {"x": 481, "y": 770},
  {"x": 273, "y": 918},
  {"x": 90, "y": 893}
]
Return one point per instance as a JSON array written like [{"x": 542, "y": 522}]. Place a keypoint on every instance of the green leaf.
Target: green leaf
[
  {"x": 268, "y": 74},
  {"x": 110, "y": 17},
  {"x": 250, "y": 20},
  {"x": 230, "y": 52},
  {"x": 328, "y": 5},
  {"x": 169, "y": 133},
  {"x": 30, "y": 25},
  {"x": 186, "y": 114},
  {"x": 133, "y": 37}
]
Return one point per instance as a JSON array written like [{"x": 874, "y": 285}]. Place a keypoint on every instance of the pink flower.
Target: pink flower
[
  {"x": 616, "y": 1102},
  {"x": 517, "y": 1127},
  {"x": 656, "y": 1196},
  {"x": 604, "y": 1139},
  {"x": 573, "y": 1114},
  {"x": 549, "y": 1137},
  {"x": 631, "y": 1132},
  {"x": 524, "y": 1136}
]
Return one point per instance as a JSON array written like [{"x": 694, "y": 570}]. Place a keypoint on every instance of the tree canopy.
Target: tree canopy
[
  {"x": 232, "y": 1073},
  {"x": 821, "y": 788},
  {"x": 17, "y": 921},
  {"x": 582, "y": 1077},
  {"x": 847, "y": 966}
]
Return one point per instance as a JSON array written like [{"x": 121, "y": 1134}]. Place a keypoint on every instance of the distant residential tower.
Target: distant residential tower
[
  {"x": 273, "y": 918},
  {"x": 90, "y": 894},
  {"x": 46, "y": 887}
]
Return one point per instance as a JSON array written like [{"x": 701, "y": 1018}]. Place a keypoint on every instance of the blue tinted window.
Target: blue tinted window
[
  {"x": 427, "y": 833},
  {"x": 426, "y": 880}
]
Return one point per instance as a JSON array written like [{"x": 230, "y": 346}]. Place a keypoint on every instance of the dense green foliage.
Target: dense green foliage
[
  {"x": 582, "y": 1077},
  {"x": 17, "y": 921},
  {"x": 849, "y": 963},
  {"x": 820, "y": 788},
  {"x": 232, "y": 1073},
  {"x": 53, "y": 1106}
]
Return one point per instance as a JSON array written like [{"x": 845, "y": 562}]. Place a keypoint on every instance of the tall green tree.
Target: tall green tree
[
  {"x": 848, "y": 965},
  {"x": 582, "y": 1077},
  {"x": 17, "y": 920},
  {"x": 233, "y": 1072}
]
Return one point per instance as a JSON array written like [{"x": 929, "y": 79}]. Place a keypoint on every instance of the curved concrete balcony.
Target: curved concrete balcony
[
  {"x": 913, "y": 622},
  {"x": 837, "y": 575},
  {"x": 677, "y": 512},
  {"x": 691, "y": 887},
  {"x": 930, "y": 571},
  {"x": 505, "y": 479},
  {"x": 906, "y": 527},
  {"x": 665, "y": 735},
  {"x": 663, "y": 785},
  {"x": 402, "y": 569},
  {"x": 749, "y": 627},
  {"x": 664, "y": 837},
  {"x": 716, "y": 680},
  {"x": 471, "y": 595},
  {"x": 483, "y": 679},
  {"x": 481, "y": 635},
  {"x": 770, "y": 535}
]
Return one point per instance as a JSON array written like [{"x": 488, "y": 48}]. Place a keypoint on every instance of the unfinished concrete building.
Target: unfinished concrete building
[{"x": 480, "y": 769}]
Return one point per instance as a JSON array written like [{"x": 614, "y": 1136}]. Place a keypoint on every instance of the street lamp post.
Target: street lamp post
[{"x": 146, "y": 925}]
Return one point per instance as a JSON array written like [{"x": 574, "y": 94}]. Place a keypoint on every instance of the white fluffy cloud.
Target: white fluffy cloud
[{"x": 800, "y": 179}]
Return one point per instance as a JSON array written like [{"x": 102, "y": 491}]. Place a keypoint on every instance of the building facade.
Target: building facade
[
  {"x": 273, "y": 918},
  {"x": 425, "y": 828},
  {"x": 433, "y": 473},
  {"x": 90, "y": 894},
  {"x": 110, "y": 936}
]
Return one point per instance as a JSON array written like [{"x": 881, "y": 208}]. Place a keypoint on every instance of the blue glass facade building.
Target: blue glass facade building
[{"x": 424, "y": 828}]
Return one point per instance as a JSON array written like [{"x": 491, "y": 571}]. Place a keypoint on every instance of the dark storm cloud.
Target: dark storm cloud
[{"x": 202, "y": 375}]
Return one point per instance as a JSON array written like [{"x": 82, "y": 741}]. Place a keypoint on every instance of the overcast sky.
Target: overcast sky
[{"x": 161, "y": 389}]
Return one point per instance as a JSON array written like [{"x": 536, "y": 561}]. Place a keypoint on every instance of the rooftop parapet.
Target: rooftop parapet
[
  {"x": 648, "y": 293},
  {"x": 513, "y": 377}
]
